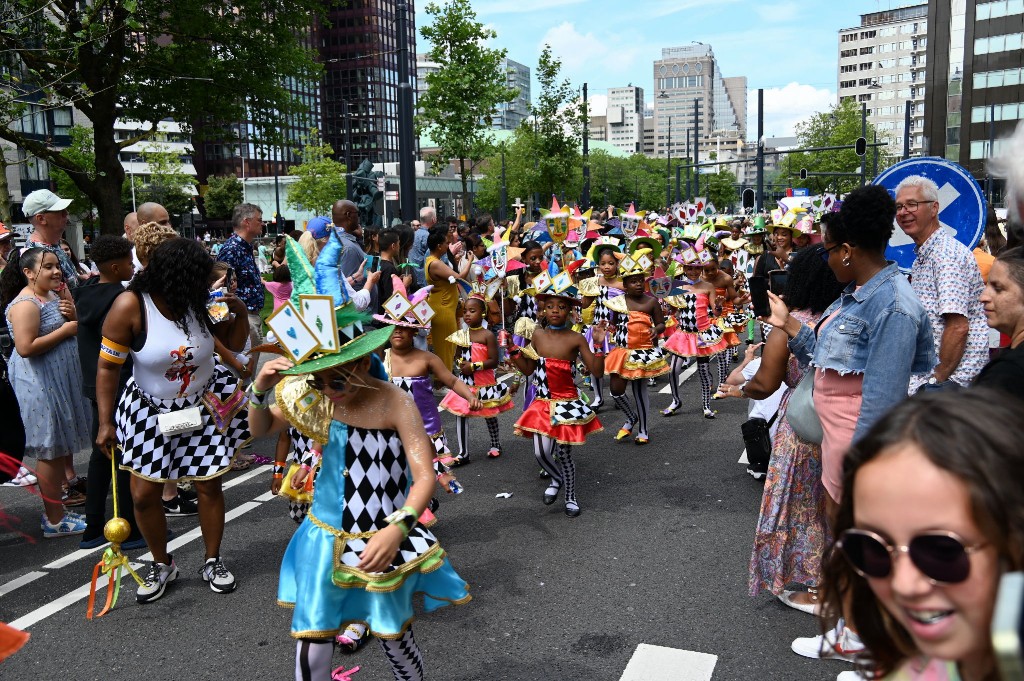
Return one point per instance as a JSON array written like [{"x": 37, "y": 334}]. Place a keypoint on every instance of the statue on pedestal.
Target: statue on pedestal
[{"x": 364, "y": 193}]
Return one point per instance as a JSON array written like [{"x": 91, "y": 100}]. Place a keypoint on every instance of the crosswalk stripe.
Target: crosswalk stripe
[
  {"x": 690, "y": 371},
  {"x": 658, "y": 663}
]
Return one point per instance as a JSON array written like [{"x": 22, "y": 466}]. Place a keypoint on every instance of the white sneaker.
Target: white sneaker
[
  {"x": 156, "y": 581},
  {"x": 24, "y": 478},
  {"x": 850, "y": 676},
  {"x": 838, "y": 644}
]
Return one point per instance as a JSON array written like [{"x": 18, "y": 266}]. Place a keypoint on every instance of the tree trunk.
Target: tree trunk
[
  {"x": 465, "y": 189},
  {"x": 105, "y": 190},
  {"x": 5, "y": 190}
]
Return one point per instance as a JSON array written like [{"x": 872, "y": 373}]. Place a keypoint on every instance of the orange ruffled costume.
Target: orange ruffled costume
[
  {"x": 557, "y": 411},
  {"x": 635, "y": 355}
]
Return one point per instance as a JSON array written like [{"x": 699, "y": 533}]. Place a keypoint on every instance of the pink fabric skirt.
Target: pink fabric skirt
[{"x": 837, "y": 399}]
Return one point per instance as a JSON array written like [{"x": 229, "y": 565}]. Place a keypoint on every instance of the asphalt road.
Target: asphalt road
[{"x": 659, "y": 556}]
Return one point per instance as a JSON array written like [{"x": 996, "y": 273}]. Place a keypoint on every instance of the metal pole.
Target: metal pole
[
  {"x": 864, "y": 134},
  {"x": 279, "y": 219},
  {"x": 874, "y": 168},
  {"x": 991, "y": 149},
  {"x": 585, "y": 196},
  {"x": 348, "y": 149},
  {"x": 688, "y": 161},
  {"x": 131, "y": 175},
  {"x": 668, "y": 166},
  {"x": 504, "y": 189},
  {"x": 406, "y": 141},
  {"x": 679, "y": 172},
  {"x": 759, "y": 198},
  {"x": 906, "y": 130},
  {"x": 696, "y": 145}
]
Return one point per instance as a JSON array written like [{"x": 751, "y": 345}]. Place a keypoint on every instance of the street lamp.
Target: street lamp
[
  {"x": 668, "y": 166},
  {"x": 131, "y": 177}
]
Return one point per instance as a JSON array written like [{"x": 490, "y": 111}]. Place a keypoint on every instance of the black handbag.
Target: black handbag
[
  {"x": 12, "y": 436},
  {"x": 758, "y": 440}
]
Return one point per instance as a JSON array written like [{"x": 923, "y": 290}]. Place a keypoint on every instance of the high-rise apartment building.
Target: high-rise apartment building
[
  {"x": 975, "y": 79},
  {"x": 693, "y": 100},
  {"x": 358, "y": 47},
  {"x": 506, "y": 116},
  {"x": 625, "y": 119},
  {"x": 883, "y": 65}
]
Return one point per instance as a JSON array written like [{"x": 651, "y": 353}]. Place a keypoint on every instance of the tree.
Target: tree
[
  {"x": 321, "y": 179},
  {"x": 82, "y": 153},
  {"x": 559, "y": 117},
  {"x": 167, "y": 183},
  {"x": 222, "y": 195},
  {"x": 464, "y": 92},
  {"x": 150, "y": 60},
  {"x": 841, "y": 125}
]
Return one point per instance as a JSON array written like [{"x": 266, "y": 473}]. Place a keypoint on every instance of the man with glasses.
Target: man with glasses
[
  {"x": 946, "y": 278},
  {"x": 345, "y": 215},
  {"x": 247, "y": 223},
  {"x": 48, "y": 215}
]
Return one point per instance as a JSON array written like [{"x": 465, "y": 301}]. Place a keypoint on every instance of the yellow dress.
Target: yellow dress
[{"x": 444, "y": 299}]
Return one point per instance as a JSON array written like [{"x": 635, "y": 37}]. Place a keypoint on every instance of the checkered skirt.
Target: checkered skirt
[{"x": 200, "y": 454}]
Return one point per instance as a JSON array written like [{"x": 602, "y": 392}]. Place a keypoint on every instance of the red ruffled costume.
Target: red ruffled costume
[
  {"x": 494, "y": 396},
  {"x": 558, "y": 411}
]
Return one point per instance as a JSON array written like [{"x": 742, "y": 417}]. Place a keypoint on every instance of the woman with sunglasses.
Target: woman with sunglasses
[
  {"x": 865, "y": 348},
  {"x": 932, "y": 517}
]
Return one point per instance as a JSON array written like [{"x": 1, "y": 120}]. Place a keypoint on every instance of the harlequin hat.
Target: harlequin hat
[
  {"x": 556, "y": 221},
  {"x": 604, "y": 242},
  {"x": 647, "y": 242},
  {"x": 319, "y": 327},
  {"x": 638, "y": 263},
  {"x": 401, "y": 310},
  {"x": 758, "y": 227},
  {"x": 558, "y": 285}
]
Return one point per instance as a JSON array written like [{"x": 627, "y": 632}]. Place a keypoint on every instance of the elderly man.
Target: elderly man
[
  {"x": 946, "y": 278},
  {"x": 247, "y": 223},
  {"x": 418, "y": 253},
  {"x": 345, "y": 215},
  {"x": 48, "y": 214}
]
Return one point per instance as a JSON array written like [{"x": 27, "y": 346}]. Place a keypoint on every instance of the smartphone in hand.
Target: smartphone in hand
[
  {"x": 759, "y": 296},
  {"x": 778, "y": 280}
]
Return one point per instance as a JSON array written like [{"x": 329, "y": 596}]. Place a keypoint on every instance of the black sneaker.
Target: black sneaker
[
  {"x": 179, "y": 506},
  {"x": 187, "y": 491}
]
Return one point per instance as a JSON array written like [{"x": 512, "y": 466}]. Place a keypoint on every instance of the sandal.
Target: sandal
[
  {"x": 494, "y": 452},
  {"x": 350, "y": 640},
  {"x": 241, "y": 462}
]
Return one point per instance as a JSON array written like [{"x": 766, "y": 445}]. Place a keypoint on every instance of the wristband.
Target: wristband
[
  {"x": 477, "y": 366},
  {"x": 257, "y": 392},
  {"x": 278, "y": 469},
  {"x": 305, "y": 467},
  {"x": 257, "y": 399},
  {"x": 278, "y": 476},
  {"x": 115, "y": 353},
  {"x": 599, "y": 354}
]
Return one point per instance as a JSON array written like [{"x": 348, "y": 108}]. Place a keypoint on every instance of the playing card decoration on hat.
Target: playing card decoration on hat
[
  {"x": 560, "y": 285},
  {"x": 639, "y": 262},
  {"x": 557, "y": 221},
  {"x": 401, "y": 310}
]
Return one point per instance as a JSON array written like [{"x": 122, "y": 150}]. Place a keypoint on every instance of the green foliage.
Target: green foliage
[
  {"x": 321, "y": 179},
  {"x": 150, "y": 60},
  {"x": 165, "y": 183},
  {"x": 838, "y": 126},
  {"x": 559, "y": 116},
  {"x": 464, "y": 92},
  {"x": 222, "y": 195},
  {"x": 82, "y": 157}
]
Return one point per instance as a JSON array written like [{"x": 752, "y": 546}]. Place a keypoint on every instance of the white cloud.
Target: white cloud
[
  {"x": 785, "y": 107},
  {"x": 578, "y": 52},
  {"x": 520, "y": 6},
  {"x": 779, "y": 12}
]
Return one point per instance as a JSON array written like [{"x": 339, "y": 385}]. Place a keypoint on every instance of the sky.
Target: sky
[{"x": 788, "y": 48}]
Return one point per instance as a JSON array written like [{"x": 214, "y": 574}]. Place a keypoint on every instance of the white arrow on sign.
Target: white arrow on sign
[{"x": 947, "y": 197}]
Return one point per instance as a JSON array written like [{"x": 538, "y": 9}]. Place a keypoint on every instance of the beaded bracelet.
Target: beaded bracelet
[
  {"x": 257, "y": 398},
  {"x": 278, "y": 469}
]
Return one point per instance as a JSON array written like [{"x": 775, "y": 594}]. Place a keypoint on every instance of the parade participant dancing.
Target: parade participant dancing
[
  {"x": 596, "y": 292},
  {"x": 638, "y": 321},
  {"x": 476, "y": 359},
  {"x": 558, "y": 416},
  {"x": 695, "y": 336},
  {"x": 520, "y": 288},
  {"x": 724, "y": 315},
  {"x": 359, "y": 555}
]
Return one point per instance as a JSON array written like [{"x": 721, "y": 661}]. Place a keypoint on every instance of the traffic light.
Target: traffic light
[
  {"x": 860, "y": 146},
  {"x": 803, "y": 173}
]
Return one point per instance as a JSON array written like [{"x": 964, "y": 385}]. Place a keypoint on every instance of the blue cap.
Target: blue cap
[{"x": 319, "y": 227}]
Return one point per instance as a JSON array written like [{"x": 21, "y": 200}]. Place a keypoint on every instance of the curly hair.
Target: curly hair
[
  {"x": 812, "y": 285},
  {"x": 148, "y": 237},
  {"x": 13, "y": 278},
  {"x": 177, "y": 273},
  {"x": 865, "y": 219},
  {"x": 975, "y": 436},
  {"x": 108, "y": 247}
]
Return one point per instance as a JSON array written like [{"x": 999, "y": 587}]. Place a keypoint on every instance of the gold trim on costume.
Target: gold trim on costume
[
  {"x": 461, "y": 338},
  {"x": 617, "y": 304},
  {"x": 313, "y": 422}
]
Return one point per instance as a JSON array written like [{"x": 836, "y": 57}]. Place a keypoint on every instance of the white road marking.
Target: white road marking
[
  {"x": 690, "y": 371},
  {"x": 73, "y": 556},
  {"x": 244, "y": 477},
  {"x": 21, "y": 581},
  {"x": 658, "y": 663},
  {"x": 269, "y": 496},
  {"x": 743, "y": 457}
]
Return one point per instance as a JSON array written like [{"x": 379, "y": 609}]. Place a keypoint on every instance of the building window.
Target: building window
[
  {"x": 847, "y": 83},
  {"x": 1001, "y": 8},
  {"x": 848, "y": 53},
  {"x": 999, "y": 43},
  {"x": 998, "y": 78},
  {"x": 867, "y": 50},
  {"x": 1003, "y": 112}
]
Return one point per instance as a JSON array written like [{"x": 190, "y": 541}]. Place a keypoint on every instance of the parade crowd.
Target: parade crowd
[{"x": 883, "y": 412}]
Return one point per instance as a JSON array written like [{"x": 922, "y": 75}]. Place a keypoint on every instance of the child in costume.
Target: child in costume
[
  {"x": 414, "y": 370},
  {"x": 596, "y": 292},
  {"x": 724, "y": 315},
  {"x": 558, "y": 416},
  {"x": 476, "y": 359},
  {"x": 695, "y": 335},
  {"x": 359, "y": 555},
  {"x": 638, "y": 322},
  {"x": 520, "y": 288}
]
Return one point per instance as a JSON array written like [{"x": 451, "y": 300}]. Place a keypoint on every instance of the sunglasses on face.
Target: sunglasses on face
[
  {"x": 942, "y": 557},
  {"x": 338, "y": 382}
]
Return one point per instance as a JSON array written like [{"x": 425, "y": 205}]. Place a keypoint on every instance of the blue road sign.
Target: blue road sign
[{"x": 962, "y": 207}]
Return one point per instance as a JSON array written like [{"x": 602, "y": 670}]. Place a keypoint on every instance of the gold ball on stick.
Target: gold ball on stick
[{"x": 116, "y": 530}]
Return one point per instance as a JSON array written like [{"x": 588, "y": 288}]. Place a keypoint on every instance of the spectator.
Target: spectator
[
  {"x": 353, "y": 257},
  {"x": 131, "y": 223},
  {"x": 47, "y": 378},
  {"x": 318, "y": 230},
  {"x": 6, "y": 244},
  {"x": 84, "y": 272},
  {"x": 390, "y": 256},
  {"x": 444, "y": 297},
  {"x": 1003, "y": 301},
  {"x": 281, "y": 287},
  {"x": 947, "y": 281},
  {"x": 48, "y": 214},
  {"x": 419, "y": 252},
  {"x": 933, "y": 517},
  {"x": 154, "y": 212},
  {"x": 247, "y": 223}
]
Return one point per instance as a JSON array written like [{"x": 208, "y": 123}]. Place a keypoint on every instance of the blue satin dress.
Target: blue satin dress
[{"x": 363, "y": 477}]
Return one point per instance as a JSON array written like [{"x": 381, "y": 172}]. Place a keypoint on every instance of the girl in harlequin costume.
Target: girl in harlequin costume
[
  {"x": 695, "y": 336},
  {"x": 520, "y": 288},
  {"x": 476, "y": 358},
  {"x": 723, "y": 314},
  {"x": 636, "y": 357},
  {"x": 414, "y": 371},
  {"x": 558, "y": 417},
  {"x": 359, "y": 555},
  {"x": 596, "y": 292}
]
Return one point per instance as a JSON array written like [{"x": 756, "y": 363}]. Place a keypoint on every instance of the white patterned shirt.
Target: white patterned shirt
[{"x": 946, "y": 278}]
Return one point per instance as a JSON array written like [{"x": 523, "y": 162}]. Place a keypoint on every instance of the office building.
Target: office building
[
  {"x": 625, "y": 118},
  {"x": 975, "y": 70},
  {"x": 883, "y": 66},
  {"x": 506, "y": 116},
  {"x": 598, "y": 128},
  {"x": 358, "y": 47},
  {"x": 693, "y": 100}
]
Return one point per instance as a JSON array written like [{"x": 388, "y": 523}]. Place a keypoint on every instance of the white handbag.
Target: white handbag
[{"x": 181, "y": 421}]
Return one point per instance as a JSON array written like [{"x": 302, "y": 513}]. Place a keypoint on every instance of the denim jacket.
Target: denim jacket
[{"x": 882, "y": 332}]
